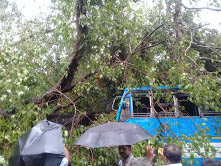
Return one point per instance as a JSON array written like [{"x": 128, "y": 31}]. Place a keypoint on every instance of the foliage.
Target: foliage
[{"x": 124, "y": 46}]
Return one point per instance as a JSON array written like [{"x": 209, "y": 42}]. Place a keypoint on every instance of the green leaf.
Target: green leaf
[
  {"x": 203, "y": 124},
  {"x": 208, "y": 136},
  {"x": 205, "y": 119},
  {"x": 207, "y": 129}
]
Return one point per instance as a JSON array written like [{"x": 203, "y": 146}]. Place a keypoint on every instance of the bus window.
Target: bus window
[
  {"x": 125, "y": 110},
  {"x": 163, "y": 107},
  {"x": 206, "y": 111},
  {"x": 185, "y": 107},
  {"x": 141, "y": 106}
]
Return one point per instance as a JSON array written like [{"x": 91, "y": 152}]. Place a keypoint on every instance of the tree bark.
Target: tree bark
[
  {"x": 72, "y": 120},
  {"x": 179, "y": 35}
]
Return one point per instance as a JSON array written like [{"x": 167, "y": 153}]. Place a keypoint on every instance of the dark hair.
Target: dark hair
[
  {"x": 129, "y": 146},
  {"x": 172, "y": 153},
  {"x": 210, "y": 162}
]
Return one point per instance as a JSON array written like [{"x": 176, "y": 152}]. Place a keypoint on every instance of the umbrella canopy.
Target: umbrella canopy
[
  {"x": 112, "y": 134},
  {"x": 40, "y": 146}
]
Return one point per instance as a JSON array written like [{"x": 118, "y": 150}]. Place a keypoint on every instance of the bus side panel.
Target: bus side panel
[{"x": 179, "y": 126}]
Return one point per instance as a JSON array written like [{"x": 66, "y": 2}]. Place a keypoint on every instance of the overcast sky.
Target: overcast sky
[{"x": 32, "y": 8}]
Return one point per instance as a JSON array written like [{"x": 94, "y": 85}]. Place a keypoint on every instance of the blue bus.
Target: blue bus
[{"x": 171, "y": 109}]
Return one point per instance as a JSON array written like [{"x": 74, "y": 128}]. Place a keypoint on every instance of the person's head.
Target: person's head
[
  {"x": 172, "y": 154},
  {"x": 210, "y": 162},
  {"x": 124, "y": 151}
]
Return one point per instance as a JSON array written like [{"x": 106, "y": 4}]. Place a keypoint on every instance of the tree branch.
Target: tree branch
[
  {"x": 65, "y": 83},
  {"x": 64, "y": 107},
  {"x": 202, "y": 8},
  {"x": 81, "y": 80},
  {"x": 210, "y": 59},
  {"x": 185, "y": 53},
  {"x": 147, "y": 36},
  {"x": 58, "y": 107},
  {"x": 72, "y": 119},
  {"x": 144, "y": 38},
  {"x": 146, "y": 47},
  {"x": 176, "y": 14},
  {"x": 209, "y": 47}
]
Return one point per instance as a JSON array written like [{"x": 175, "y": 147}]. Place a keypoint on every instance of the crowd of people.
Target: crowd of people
[
  {"x": 170, "y": 154},
  {"x": 33, "y": 148}
]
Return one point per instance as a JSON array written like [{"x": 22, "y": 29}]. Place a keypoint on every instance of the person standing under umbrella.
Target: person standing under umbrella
[
  {"x": 118, "y": 134},
  {"x": 127, "y": 158},
  {"x": 67, "y": 158},
  {"x": 42, "y": 145}
]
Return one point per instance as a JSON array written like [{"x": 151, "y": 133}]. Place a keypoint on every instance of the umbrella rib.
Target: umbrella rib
[{"x": 97, "y": 139}]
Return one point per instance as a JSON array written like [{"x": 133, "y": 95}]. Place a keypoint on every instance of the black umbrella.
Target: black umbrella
[
  {"x": 112, "y": 134},
  {"x": 40, "y": 146}
]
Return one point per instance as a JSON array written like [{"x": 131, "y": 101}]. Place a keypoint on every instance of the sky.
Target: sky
[
  {"x": 31, "y": 8},
  {"x": 207, "y": 16}
]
